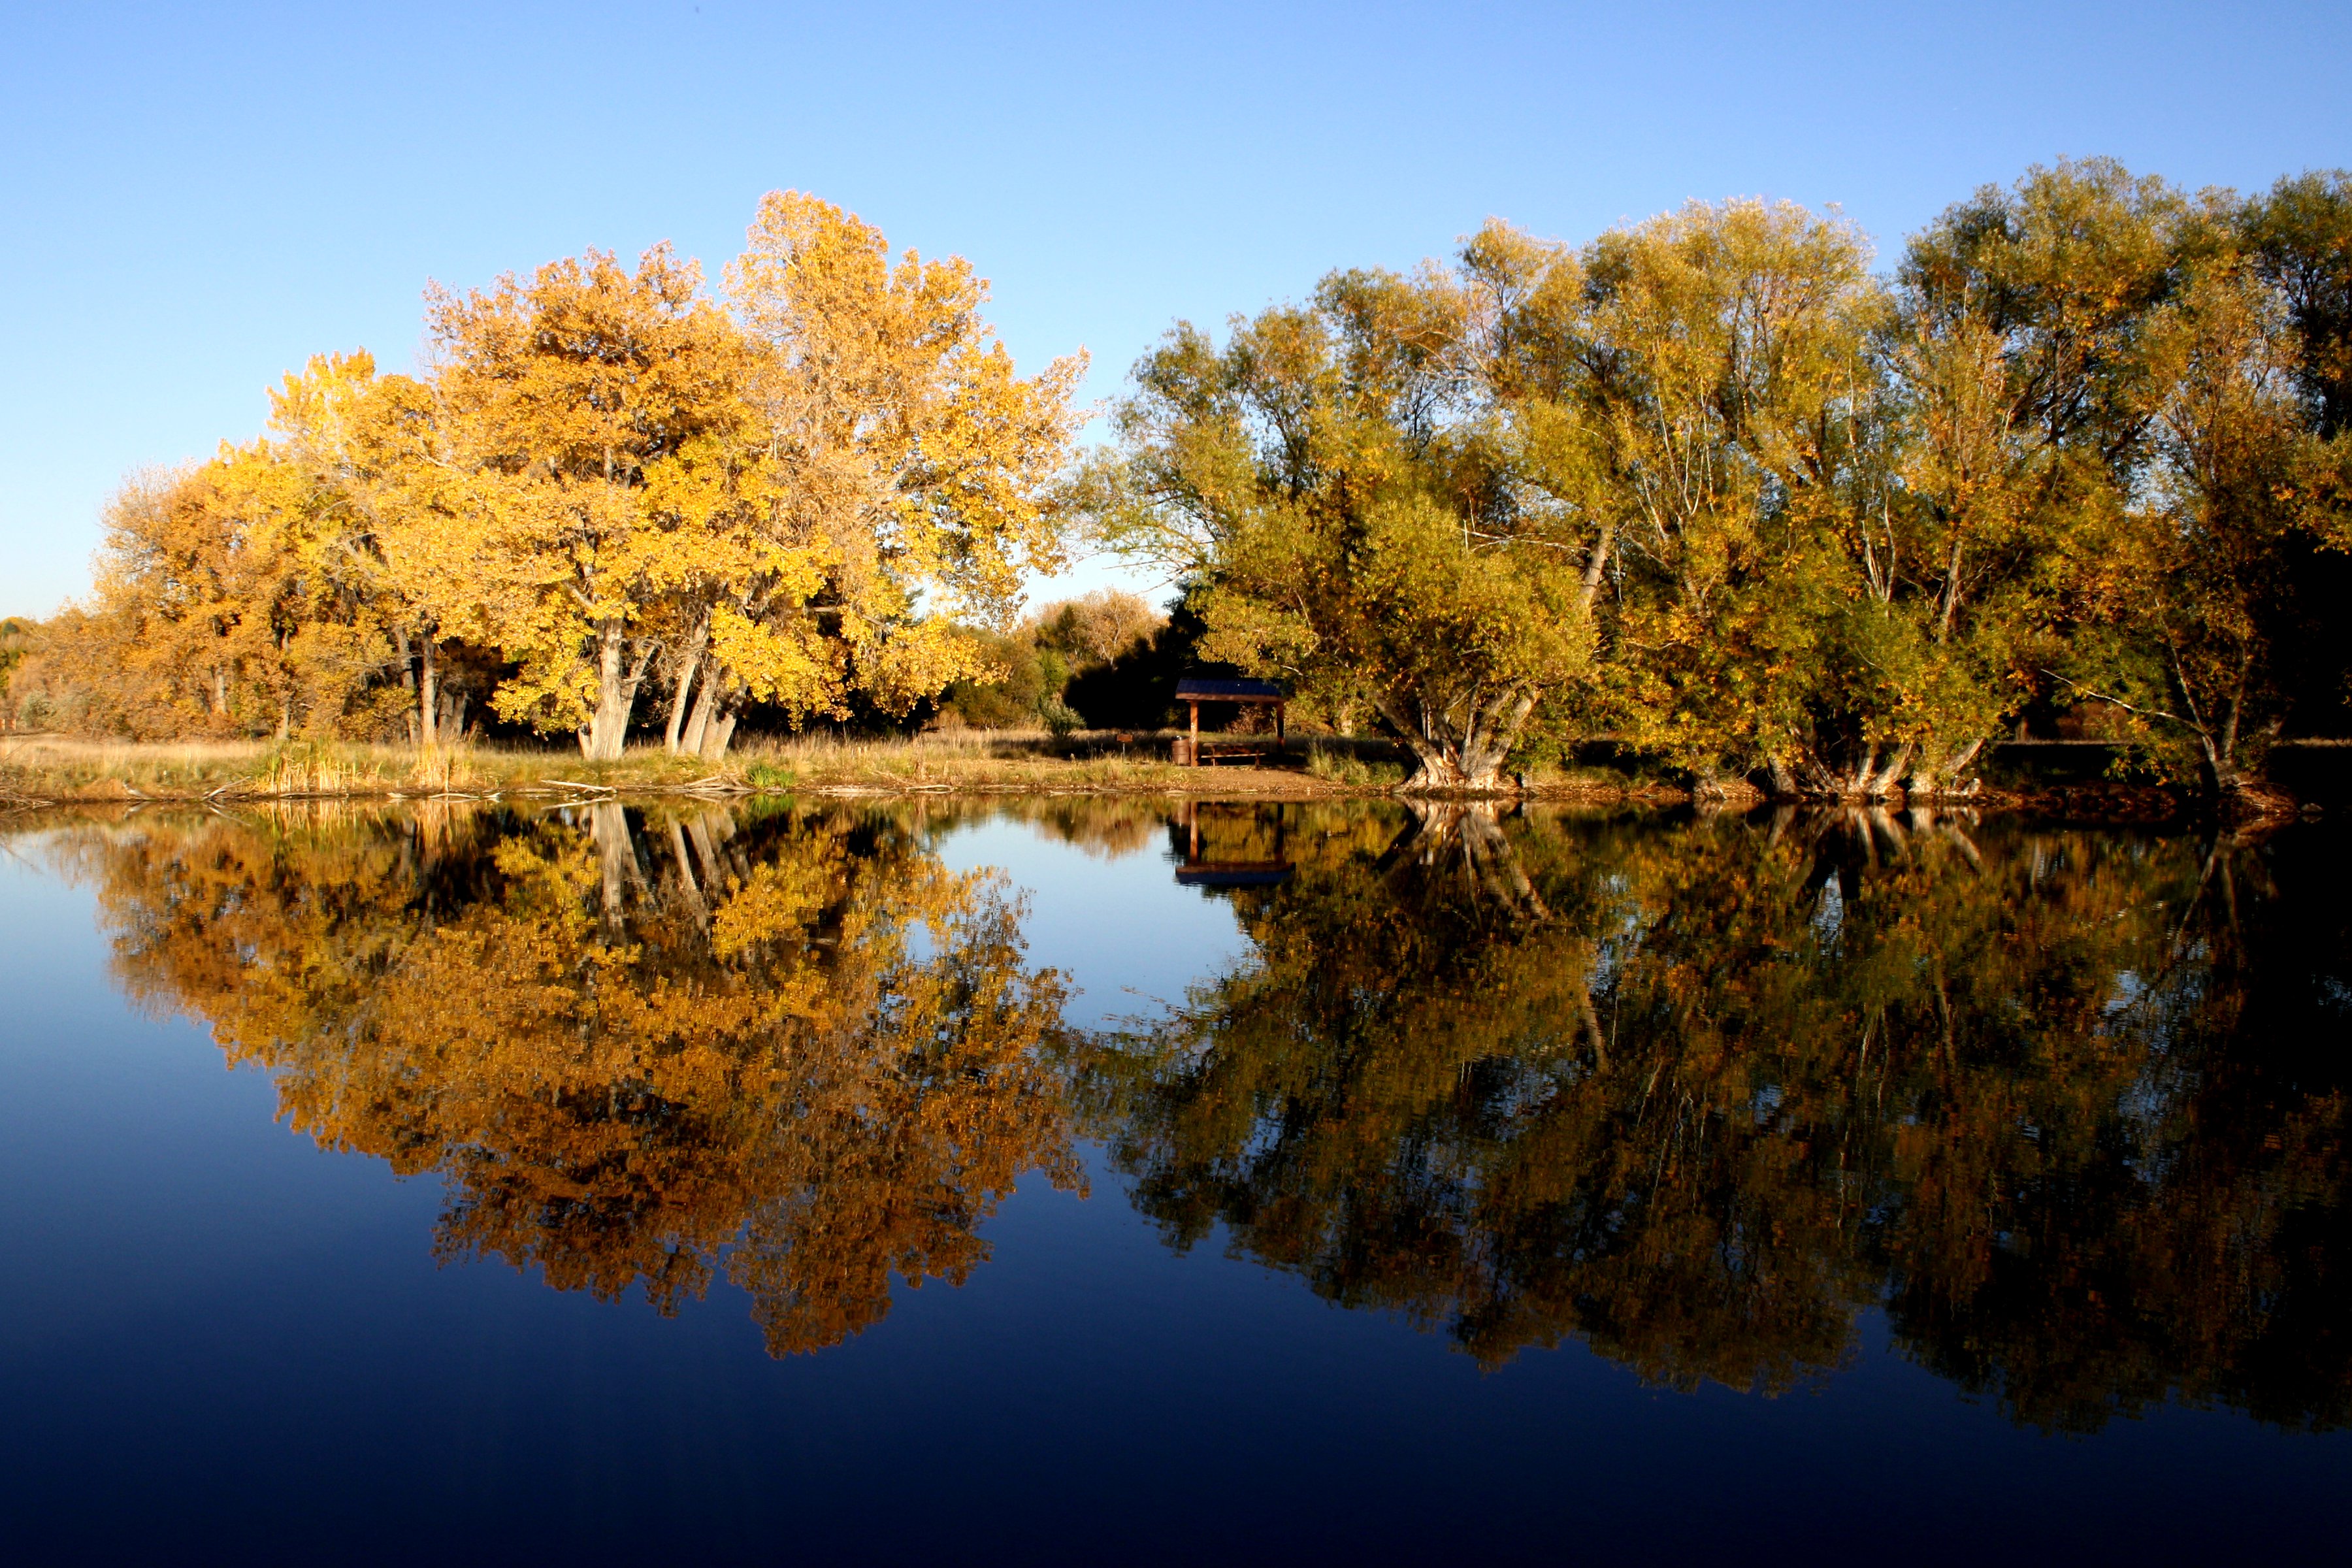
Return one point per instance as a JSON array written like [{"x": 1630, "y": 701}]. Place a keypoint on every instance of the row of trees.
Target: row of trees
[
  {"x": 1710, "y": 486},
  {"x": 1707, "y": 486},
  {"x": 1098, "y": 661},
  {"x": 603, "y": 479}
]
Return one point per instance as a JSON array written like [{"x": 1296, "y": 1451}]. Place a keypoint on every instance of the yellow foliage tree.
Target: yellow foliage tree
[
  {"x": 902, "y": 482},
  {"x": 244, "y": 596},
  {"x": 568, "y": 403}
]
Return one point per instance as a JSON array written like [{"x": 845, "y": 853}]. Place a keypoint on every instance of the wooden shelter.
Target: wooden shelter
[{"x": 1193, "y": 691}]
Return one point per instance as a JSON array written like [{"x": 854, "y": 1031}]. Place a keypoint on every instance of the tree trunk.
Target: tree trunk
[
  {"x": 706, "y": 707},
  {"x": 687, "y": 668},
  {"x": 616, "y": 694},
  {"x": 679, "y": 695},
  {"x": 1930, "y": 779},
  {"x": 1596, "y": 565},
  {"x": 1882, "y": 783},
  {"x": 2241, "y": 794},
  {"x": 716, "y": 736},
  {"x": 1459, "y": 749},
  {"x": 428, "y": 697}
]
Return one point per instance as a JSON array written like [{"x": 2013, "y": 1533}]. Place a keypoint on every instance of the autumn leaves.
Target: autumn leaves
[
  {"x": 791, "y": 502},
  {"x": 603, "y": 478},
  {"x": 1707, "y": 486}
]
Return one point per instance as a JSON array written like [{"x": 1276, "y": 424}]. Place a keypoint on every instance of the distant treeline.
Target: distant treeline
[{"x": 1707, "y": 486}]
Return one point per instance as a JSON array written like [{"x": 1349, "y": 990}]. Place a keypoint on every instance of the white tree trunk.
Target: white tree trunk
[
  {"x": 673, "y": 736},
  {"x": 616, "y": 695},
  {"x": 428, "y": 697}
]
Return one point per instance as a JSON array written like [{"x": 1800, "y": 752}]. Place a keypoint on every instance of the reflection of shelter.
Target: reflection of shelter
[
  {"x": 1200, "y": 870},
  {"x": 1192, "y": 691}
]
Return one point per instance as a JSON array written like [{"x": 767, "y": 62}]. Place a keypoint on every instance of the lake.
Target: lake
[{"x": 1113, "y": 1180}]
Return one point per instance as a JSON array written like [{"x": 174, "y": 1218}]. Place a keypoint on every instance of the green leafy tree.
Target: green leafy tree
[{"x": 1336, "y": 482}]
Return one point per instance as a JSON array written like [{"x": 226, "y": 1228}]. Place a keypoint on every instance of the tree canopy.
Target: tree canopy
[
  {"x": 801, "y": 494},
  {"x": 1710, "y": 487},
  {"x": 1717, "y": 488}
]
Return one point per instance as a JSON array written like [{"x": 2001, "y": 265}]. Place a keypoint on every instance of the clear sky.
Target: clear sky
[{"x": 196, "y": 198}]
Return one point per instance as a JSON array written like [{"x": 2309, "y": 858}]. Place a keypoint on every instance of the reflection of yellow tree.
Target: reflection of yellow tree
[
  {"x": 799, "y": 1045},
  {"x": 1698, "y": 1094}
]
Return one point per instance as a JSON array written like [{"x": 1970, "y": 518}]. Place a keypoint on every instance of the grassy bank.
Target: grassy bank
[{"x": 41, "y": 769}]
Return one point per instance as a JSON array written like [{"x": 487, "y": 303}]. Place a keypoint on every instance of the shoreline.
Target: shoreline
[{"x": 45, "y": 773}]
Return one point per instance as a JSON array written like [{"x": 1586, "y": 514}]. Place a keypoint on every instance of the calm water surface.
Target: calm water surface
[{"x": 1082, "y": 1181}]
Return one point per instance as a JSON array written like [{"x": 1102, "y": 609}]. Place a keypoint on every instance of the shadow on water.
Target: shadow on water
[{"x": 2070, "y": 1107}]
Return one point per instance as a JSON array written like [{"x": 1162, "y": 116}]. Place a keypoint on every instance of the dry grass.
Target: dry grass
[
  {"x": 1013, "y": 760},
  {"x": 38, "y": 769},
  {"x": 43, "y": 769}
]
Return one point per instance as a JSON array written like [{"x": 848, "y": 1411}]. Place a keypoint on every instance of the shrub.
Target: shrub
[{"x": 1335, "y": 766}]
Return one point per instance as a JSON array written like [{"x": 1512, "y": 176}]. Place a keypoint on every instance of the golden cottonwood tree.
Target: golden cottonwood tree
[
  {"x": 164, "y": 645},
  {"x": 797, "y": 511},
  {"x": 374, "y": 450},
  {"x": 569, "y": 404},
  {"x": 245, "y": 595},
  {"x": 902, "y": 480}
]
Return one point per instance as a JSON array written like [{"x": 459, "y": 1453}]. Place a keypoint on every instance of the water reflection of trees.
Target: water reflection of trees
[
  {"x": 639, "y": 1046},
  {"x": 2070, "y": 1105}
]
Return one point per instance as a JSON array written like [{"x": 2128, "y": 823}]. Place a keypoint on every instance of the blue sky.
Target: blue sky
[{"x": 197, "y": 198}]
